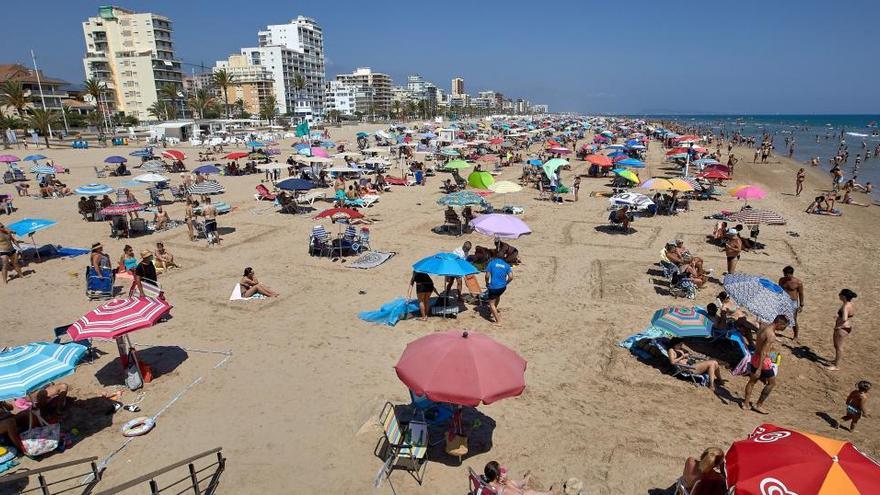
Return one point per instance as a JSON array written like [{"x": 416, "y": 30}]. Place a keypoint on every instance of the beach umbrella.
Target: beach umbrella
[
  {"x": 457, "y": 164},
  {"x": 205, "y": 187},
  {"x": 141, "y": 153},
  {"x": 679, "y": 184},
  {"x": 754, "y": 216},
  {"x": 702, "y": 162},
  {"x": 121, "y": 209},
  {"x": 748, "y": 192},
  {"x": 782, "y": 461},
  {"x": 496, "y": 141},
  {"x": 630, "y": 162},
  {"x": 302, "y": 146},
  {"x": 607, "y": 134},
  {"x": 480, "y": 180},
  {"x": 677, "y": 156},
  {"x": 683, "y": 322},
  {"x": 762, "y": 297},
  {"x": 28, "y": 226},
  {"x": 320, "y": 152},
  {"x": 505, "y": 186},
  {"x": 236, "y": 155},
  {"x": 296, "y": 184},
  {"x": 598, "y": 160},
  {"x": 449, "y": 152},
  {"x": 500, "y": 225},
  {"x": 335, "y": 213},
  {"x": 362, "y": 134},
  {"x": 461, "y": 198},
  {"x": 153, "y": 166},
  {"x": 617, "y": 154},
  {"x": 632, "y": 199},
  {"x": 466, "y": 368},
  {"x": 626, "y": 174},
  {"x": 553, "y": 164},
  {"x": 445, "y": 265},
  {"x": 115, "y": 159},
  {"x": 255, "y": 144},
  {"x": 657, "y": 184},
  {"x": 535, "y": 162},
  {"x": 173, "y": 155},
  {"x": 119, "y": 317},
  {"x": 9, "y": 159},
  {"x": 713, "y": 174},
  {"x": 718, "y": 167},
  {"x": 93, "y": 190},
  {"x": 558, "y": 150},
  {"x": 343, "y": 169},
  {"x": 207, "y": 169},
  {"x": 33, "y": 158},
  {"x": 150, "y": 178},
  {"x": 488, "y": 159},
  {"x": 31, "y": 367},
  {"x": 42, "y": 170},
  {"x": 315, "y": 159}
]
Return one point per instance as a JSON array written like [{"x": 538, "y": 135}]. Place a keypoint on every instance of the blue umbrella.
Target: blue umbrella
[
  {"x": 255, "y": 144},
  {"x": 616, "y": 154},
  {"x": 428, "y": 135},
  {"x": 328, "y": 144},
  {"x": 631, "y": 162},
  {"x": 301, "y": 146},
  {"x": 93, "y": 190},
  {"x": 535, "y": 162},
  {"x": 362, "y": 134},
  {"x": 33, "y": 158},
  {"x": 27, "y": 226},
  {"x": 42, "y": 170},
  {"x": 207, "y": 169},
  {"x": 205, "y": 187},
  {"x": 295, "y": 184},
  {"x": 683, "y": 322},
  {"x": 445, "y": 264},
  {"x": 461, "y": 198},
  {"x": 115, "y": 159},
  {"x": 764, "y": 298},
  {"x": 31, "y": 367},
  {"x": 141, "y": 153},
  {"x": 304, "y": 151}
]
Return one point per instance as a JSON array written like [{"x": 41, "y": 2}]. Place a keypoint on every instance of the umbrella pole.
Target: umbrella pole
[
  {"x": 134, "y": 358},
  {"x": 34, "y": 242}
]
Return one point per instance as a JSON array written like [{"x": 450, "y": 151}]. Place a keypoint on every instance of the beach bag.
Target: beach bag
[
  {"x": 133, "y": 379},
  {"x": 42, "y": 439}
]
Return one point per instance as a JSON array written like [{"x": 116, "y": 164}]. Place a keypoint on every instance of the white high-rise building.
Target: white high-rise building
[
  {"x": 372, "y": 90},
  {"x": 133, "y": 55},
  {"x": 341, "y": 97},
  {"x": 288, "y": 50}
]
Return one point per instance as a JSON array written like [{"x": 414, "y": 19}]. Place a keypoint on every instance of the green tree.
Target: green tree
[
  {"x": 395, "y": 108},
  {"x": 201, "y": 102},
  {"x": 8, "y": 122},
  {"x": 299, "y": 83},
  {"x": 42, "y": 120},
  {"x": 334, "y": 115},
  {"x": 269, "y": 108},
  {"x": 12, "y": 95},
  {"x": 223, "y": 80},
  {"x": 410, "y": 109},
  {"x": 171, "y": 93},
  {"x": 240, "y": 108},
  {"x": 96, "y": 89}
]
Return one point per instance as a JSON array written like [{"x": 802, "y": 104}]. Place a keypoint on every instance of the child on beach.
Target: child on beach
[{"x": 856, "y": 403}]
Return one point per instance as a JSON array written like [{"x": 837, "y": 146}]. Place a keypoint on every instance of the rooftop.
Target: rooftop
[{"x": 18, "y": 72}]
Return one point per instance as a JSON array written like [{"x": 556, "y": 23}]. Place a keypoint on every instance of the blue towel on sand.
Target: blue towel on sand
[{"x": 391, "y": 312}]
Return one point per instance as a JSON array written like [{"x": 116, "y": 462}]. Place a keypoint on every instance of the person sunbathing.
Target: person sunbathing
[
  {"x": 680, "y": 355},
  {"x": 163, "y": 258},
  {"x": 703, "y": 475},
  {"x": 719, "y": 232},
  {"x": 127, "y": 261},
  {"x": 694, "y": 269},
  {"x": 496, "y": 477},
  {"x": 161, "y": 218},
  {"x": 250, "y": 285}
]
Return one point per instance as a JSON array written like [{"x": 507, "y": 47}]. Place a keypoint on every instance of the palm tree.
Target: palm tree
[
  {"x": 334, "y": 115},
  {"x": 269, "y": 108},
  {"x": 201, "y": 101},
  {"x": 240, "y": 108},
  {"x": 223, "y": 80},
  {"x": 96, "y": 119},
  {"x": 8, "y": 122},
  {"x": 395, "y": 108},
  {"x": 42, "y": 120},
  {"x": 96, "y": 89},
  {"x": 12, "y": 95},
  {"x": 410, "y": 109},
  {"x": 158, "y": 109},
  {"x": 299, "y": 82},
  {"x": 172, "y": 93}
]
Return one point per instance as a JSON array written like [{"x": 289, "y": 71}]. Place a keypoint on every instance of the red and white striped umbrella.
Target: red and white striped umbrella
[
  {"x": 174, "y": 155},
  {"x": 754, "y": 216},
  {"x": 121, "y": 209},
  {"x": 119, "y": 317}
]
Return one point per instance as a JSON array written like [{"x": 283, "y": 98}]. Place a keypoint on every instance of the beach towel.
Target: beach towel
[
  {"x": 833, "y": 213},
  {"x": 392, "y": 312},
  {"x": 650, "y": 332},
  {"x": 236, "y": 295},
  {"x": 371, "y": 259}
]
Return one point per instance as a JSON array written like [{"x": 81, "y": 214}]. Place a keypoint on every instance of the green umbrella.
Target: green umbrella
[
  {"x": 457, "y": 164},
  {"x": 551, "y": 165},
  {"x": 480, "y": 180},
  {"x": 627, "y": 174}
]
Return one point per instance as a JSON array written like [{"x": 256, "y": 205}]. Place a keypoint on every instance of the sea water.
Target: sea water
[{"x": 814, "y": 136}]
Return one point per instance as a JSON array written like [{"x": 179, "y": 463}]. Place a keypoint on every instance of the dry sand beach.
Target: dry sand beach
[{"x": 295, "y": 405}]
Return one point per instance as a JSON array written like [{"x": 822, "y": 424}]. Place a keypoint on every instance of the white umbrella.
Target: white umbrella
[
  {"x": 271, "y": 166},
  {"x": 151, "y": 178},
  {"x": 376, "y": 160},
  {"x": 343, "y": 169},
  {"x": 376, "y": 150}
]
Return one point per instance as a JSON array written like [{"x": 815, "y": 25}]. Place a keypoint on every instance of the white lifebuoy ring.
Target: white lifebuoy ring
[{"x": 138, "y": 426}]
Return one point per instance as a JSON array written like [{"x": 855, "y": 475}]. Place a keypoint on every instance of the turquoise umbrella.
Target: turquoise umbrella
[
  {"x": 445, "y": 264},
  {"x": 31, "y": 367},
  {"x": 461, "y": 198},
  {"x": 551, "y": 165},
  {"x": 683, "y": 322}
]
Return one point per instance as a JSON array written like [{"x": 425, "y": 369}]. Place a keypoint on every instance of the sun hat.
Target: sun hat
[
  {"x": 146, "y": 253},
  {"x": 96, "y": 246}
]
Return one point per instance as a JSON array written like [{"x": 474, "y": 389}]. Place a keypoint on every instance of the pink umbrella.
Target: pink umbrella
[
  {"x": 119, "y": 317},
  {"x": 9, "y": 159},
  {"x": 320, "y": 152},
  {"x": 749, "y": 192},
  {"x": 121, "y": 209},
  {"x": 464, "y": 368},
  {"x": 559, "y": 150},
  {"x": 500, "y": 225}
]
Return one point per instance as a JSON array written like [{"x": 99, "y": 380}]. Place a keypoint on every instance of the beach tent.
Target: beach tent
[{"x": 480, "y": 180}]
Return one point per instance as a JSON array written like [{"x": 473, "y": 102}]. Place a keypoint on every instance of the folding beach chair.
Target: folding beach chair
[
  {"x": 363, "y": 239},
  {"x": 452, "y": 223},
  {"x": 99, "y": 287},
  {"x": 177, "y": 192},
  {"x": 263, "y": 193},
  {"x": 403, "y": 446},
  {"x": 101, "y": 174},
  {"x": 478, "y": 485},
  {"x": 319, "y": 241},
  {"x": 679, "y": 371},
  {"x": 151, "y": 289}
]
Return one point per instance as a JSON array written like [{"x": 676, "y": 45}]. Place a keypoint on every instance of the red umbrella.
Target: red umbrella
[
  {"x": 340, "y": 213},
  {"x": 121, "y": 209},
  {"x": 600, "y": 160},
  {"x": 689, "y": 137},
  {"x": 714, "y": 174},
  {"x": 495, "y": 141},
  {"x": 235, "y": 155},
  {"x": 675, "y": 151},
  {"x": 463, "y": 368},
  {"x": 551, "y": 143},
  {"x": 780, "y": 461},
  {"x": 119, "y": 317},
  {"x": 724, "y": 169},
  {"x": 619, "y": 158},
  {"x": 174, "y": 155}
]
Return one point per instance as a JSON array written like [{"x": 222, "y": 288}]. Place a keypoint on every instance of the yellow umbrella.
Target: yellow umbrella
[
  {"x": 680, "y": 185},
  {"x": 657, "y": 184},
  {"x": 505, "y": 186}
]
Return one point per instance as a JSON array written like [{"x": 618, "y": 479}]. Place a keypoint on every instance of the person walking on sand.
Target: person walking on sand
[
  {"x": 210, "y": 214},
  {"x": 761, "y": 367},
  {"x": 498, "y": 275},
  {"x": 189, "y": 215},
  {"x": 799, "y": 181},
  {"x": 732, "y": 249},
  {"x": 9, "y": 247},
  {"x": 795, "y": 290},
  {"x": 857, "y": 404},
  {"x": 842, "y": 326}
]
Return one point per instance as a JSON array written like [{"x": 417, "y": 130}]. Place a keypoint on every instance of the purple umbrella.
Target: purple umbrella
[
  {"x": 9, "y": 159},
  {"x": 115, "y": 159},
  {"x": 498, "y": 225}
]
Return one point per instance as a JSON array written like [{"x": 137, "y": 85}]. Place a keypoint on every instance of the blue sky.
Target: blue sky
[{"x": 769, "y": 56}]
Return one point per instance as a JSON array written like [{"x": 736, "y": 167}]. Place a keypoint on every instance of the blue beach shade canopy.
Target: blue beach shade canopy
[
  {"x": 115, "y": 159},
  {"x": 295, "y": 184},
  {"x": 28, "y": 368},
  {"x": 445, "y": 264}
]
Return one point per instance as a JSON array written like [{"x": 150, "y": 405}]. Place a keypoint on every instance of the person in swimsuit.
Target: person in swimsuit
[
  {"x": 795, "y": 290},
  {"x": 210, "y": 214},
  {"x": 164, "y": 259},
  {"x": 250, "y": 285},
  {"x": 799, "y": 182},
  {"x": 856, "y": 404},
  {"x": 8, "y": 252},
  {"x": 761, "y": 366},
  {"x": 704, "y": 471},
  {"x": 127, "y": 261},
  {"x": 190, "y": 205},
  {"x": 495, "y": 476},
  {"x": 424, "y": 288},
  {"x": 680, "y": 355},
  {"x": 732, "y": 249},
  {"x": 842, "y": 326},
  {"x": 99, "y": 260}
]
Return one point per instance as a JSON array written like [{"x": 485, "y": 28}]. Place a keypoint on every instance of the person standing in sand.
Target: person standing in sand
[
  {"x": 761, "y": 366},
  {"x": 842, "y": 326},
  {"x": 191, "y": 204},
  {"x": 795, "y": 290},
  {"x": 498, "y": 275},
  {"x": 732, "y": 249},
  {"x": 210, "y": 214},
  {"x": 8, "y": 252},
  {"x": 799, "y": 181}
]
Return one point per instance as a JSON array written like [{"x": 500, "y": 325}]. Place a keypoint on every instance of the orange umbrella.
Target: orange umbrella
[{"x": 600, "y": 160}]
